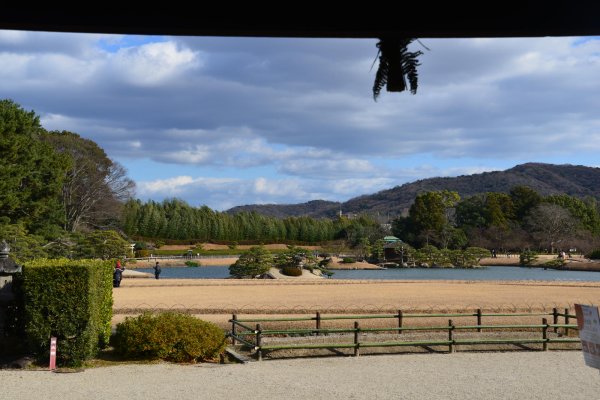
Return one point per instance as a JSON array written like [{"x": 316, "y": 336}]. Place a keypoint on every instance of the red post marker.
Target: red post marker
[{"x": 52, "y": 353}]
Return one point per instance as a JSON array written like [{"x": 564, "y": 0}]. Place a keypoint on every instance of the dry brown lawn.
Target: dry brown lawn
[{"x": 220, "y": 298}]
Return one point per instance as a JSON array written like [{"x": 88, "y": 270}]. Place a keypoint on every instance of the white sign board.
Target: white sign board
[{"x": 588, "y": 321}]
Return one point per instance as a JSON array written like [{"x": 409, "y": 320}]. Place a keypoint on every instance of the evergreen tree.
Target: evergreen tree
[
  {"x": 252, "y": 263},
  {"x": 32, "y": 172}
]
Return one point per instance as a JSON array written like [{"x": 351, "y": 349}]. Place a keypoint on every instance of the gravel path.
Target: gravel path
[{"x": 529, "y": 375}]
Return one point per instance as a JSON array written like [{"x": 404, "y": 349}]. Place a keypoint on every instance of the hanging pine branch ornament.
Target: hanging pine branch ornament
[{"x": 396, "y": 66}]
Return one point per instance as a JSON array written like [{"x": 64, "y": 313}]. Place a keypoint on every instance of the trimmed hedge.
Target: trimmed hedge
[
  {"x": 69, "y": 299},
  {"x": 170, "y": 336}
]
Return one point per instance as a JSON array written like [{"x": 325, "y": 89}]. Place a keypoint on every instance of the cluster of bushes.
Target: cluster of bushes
[
  {"x": 72, "y": 301},
  {"x": 431, "y": 256},
  {"x": 291, "y": 261},
  {"x": 168, "y": 336}
]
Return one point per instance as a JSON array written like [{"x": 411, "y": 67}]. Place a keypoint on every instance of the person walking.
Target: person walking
[
  {"x": 157, "y": 270},
  {"x": 117, "y": 274}
]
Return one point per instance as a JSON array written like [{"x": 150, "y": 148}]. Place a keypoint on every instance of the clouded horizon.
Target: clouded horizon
[{"x": 232, "y": 121}]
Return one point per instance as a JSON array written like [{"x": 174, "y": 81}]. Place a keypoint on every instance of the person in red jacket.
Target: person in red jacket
[{"x": 117, "y": 274}]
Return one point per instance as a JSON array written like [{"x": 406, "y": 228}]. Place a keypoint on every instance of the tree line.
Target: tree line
[
  {"x": 175, "y": 219},
  {"x": 521, "y": 219}
]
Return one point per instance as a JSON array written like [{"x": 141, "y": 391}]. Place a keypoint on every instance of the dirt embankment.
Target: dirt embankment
[
  {"x": 575, "y": 263},
  {"x": 336, "y": 263}
]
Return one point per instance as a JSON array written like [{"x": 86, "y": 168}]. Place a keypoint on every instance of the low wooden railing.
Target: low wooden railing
[{"x": 243, "y": 331}]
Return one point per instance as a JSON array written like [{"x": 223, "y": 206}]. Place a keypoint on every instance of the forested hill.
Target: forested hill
[
  {"x": 546, "y": 179},
  {"x": 321, "y": 207}
]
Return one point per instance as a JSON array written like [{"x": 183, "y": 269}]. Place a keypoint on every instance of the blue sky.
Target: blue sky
[{"x": 232, "y": 121}]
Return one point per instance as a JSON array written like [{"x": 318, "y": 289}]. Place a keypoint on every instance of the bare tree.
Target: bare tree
[
  {"x": 551, "y": 225},
  {"x": 95, "y": 186}
]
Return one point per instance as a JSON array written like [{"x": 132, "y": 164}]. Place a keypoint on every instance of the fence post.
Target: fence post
[
  {"x": 450, "y": 336},
  {"x": 479, "y": 319},
  {"x": 258, "y": 342},
  {"x": 555, "y": 318},
  {"x": 356, "y": 343},
  {"x": 318, "y": 318},
  {"x": 566, "y": 321},
  {"x": 233, "y": 331},
  {"x": 400, "y": 321},
  {"x": 545, "y": 334}
]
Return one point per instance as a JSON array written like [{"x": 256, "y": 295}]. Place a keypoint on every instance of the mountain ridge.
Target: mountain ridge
[{"x": 574, "y": 180}]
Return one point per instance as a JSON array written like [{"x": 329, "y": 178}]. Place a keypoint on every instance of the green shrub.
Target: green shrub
[
  {"x": 291, "y": 271},
  {"x": 254, "y": 262},
  {"x": 168, "y": 336},
  {"x": 102, "y": 244},
  {"x": 555, "y": 263},
  {"x": 594, "y": 255},
  {"x": 69, "y": 299},
  {"x": 142, "y": 253},
  {"x": 527, "y": 257},
  {"x": 348, "y": 260},
  {"x": 192, "y": 263}
]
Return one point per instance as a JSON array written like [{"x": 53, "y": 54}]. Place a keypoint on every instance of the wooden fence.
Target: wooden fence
[{"x": 253, "y": 337}]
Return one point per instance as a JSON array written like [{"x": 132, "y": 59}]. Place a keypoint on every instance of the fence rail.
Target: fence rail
[{"x": 254, "y": 337}]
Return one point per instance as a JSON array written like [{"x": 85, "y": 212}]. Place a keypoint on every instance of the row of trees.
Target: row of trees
[
  {"x": 175, "y": 219},
  {"x": 505, "y": 221}
]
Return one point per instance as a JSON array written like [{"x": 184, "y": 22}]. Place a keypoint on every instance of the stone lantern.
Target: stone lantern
[
  {"x": 7, "y": 269},
  {"x": 7, "y": 266}
]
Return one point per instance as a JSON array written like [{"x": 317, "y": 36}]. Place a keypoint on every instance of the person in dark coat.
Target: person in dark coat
[
  {"x": 117, "y": 275},
  {"x": 157, "y": 270}
]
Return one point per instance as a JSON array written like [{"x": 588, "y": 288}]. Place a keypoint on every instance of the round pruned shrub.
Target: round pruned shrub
[
  {"x": 528, "y": 257},
  {"x": 169, "y": 336},
  {"x": 348, "y": 260},
  {"x": 192, "y": 264},
  {"x": 291, "y": 271}
]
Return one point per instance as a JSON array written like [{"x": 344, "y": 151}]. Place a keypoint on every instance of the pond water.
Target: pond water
[{"x": 487, "y": 274}]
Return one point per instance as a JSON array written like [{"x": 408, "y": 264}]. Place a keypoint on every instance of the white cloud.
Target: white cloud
[
  {"x": 327, "y": 168},
  {"x": 153, "y": 63}
]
